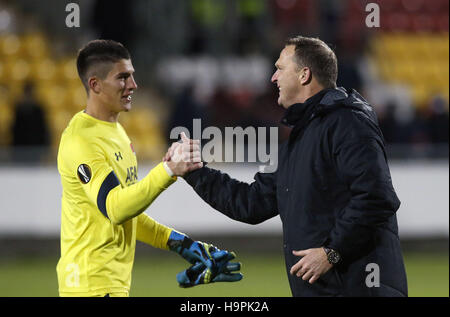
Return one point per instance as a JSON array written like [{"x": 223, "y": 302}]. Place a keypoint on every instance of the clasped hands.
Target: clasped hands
[
  {"x": 208, "y": 263},
  {"x": 183, "y": 157}
]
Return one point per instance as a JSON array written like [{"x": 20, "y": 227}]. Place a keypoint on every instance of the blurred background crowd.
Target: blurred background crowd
[{"x": 213, "y": 60}]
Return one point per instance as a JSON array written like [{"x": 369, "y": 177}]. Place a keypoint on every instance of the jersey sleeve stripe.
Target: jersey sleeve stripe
[{"x": 108, "y": 184}]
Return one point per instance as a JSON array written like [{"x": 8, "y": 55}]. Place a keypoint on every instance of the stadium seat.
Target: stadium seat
[
  {"x": 6, "y": 118},
  {"x": 3, "y": 74},
  {"x": 58, "y": 121},
  {"x": 67, "y": 71},
  {"x": 76, "y": 97},
  {"x": 416, "y": 59},
  {"x": 43, "y": 70},
  {"x": 10, "y": 45},
  {"x": 18, "y": 69},
  {"x": 52, "y": 96},
  {"x": 143, "y": 128},
  {"x": 35, "y": 46}
]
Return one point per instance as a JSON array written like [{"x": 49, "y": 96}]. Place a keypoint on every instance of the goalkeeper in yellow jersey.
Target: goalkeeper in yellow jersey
[{"x": 103, "y": 201}]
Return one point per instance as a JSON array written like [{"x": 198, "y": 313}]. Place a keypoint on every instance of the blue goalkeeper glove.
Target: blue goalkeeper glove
[
  {"x": 192, "y": 251},
  {"x": 199, "y": 274}
]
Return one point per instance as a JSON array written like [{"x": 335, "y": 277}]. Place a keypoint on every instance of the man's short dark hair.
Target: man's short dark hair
[
  {"x": 318, "y": 57},
  {"x": 97, "y": 57}
]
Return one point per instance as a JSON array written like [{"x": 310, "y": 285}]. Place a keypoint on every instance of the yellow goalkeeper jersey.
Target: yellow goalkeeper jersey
[{"x": 102, "y": 208}]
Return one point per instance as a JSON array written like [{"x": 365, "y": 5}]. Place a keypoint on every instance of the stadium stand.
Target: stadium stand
[
  {"x": 413, "y": 46},
  {"x": 28, "y": 57}
]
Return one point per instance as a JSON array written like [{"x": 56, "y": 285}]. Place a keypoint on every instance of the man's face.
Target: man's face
[
  {"x": 286, "y": 77},
  {"x": 118, "y": 86}
]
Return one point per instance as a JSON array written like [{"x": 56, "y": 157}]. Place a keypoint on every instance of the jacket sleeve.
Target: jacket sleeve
[
  {"x": 363, "y": 167},
  {"x": 250, "y": 203}
]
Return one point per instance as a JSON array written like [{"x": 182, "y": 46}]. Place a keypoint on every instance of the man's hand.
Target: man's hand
[
  {"x": 183, "y": 157},
  {"x": 312, "y": 265}
]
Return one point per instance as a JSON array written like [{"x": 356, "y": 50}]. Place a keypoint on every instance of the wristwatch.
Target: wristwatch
[{"x": 333, "y": 256}]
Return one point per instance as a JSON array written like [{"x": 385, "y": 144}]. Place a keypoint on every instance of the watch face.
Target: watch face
[{"x": 333, "y": 257}]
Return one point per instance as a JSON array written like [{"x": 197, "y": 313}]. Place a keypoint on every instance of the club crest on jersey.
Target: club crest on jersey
[
  {"x": 84, "y": 173},
  {"x": 132, "y": 148}
]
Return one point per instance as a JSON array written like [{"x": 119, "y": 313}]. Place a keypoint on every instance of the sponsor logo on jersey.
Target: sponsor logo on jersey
[
  {"x": 118, "y": 156},
  {"x": 131, "y": 175},
  {"x": 84, "y": 173}
]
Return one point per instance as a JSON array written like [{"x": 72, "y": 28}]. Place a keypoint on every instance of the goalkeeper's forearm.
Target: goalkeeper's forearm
[
  {"x": 125, "y": 203},
  {"x": 152, "y": 232}
]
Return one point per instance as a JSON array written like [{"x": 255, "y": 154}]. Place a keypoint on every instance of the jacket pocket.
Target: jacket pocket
[
  {"x": 330, "y": 283},
  {"x": 332, "y": 278}
]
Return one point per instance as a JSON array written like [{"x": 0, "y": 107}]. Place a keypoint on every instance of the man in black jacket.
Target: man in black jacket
[{"x": 332, "y": 188}]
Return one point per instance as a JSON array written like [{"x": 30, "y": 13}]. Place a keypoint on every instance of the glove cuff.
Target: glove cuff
[{"x": 178, "y": 241}]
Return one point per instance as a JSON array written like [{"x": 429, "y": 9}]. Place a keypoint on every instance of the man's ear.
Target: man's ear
[
  {"x": 94, "y": 84},
  {"x": 305, "y": 76}
]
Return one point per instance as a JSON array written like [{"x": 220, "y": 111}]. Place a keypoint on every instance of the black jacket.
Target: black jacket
[{"x": 332, "y": 187}]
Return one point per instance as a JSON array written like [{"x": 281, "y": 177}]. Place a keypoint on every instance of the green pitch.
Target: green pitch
[{"x": 264, "y": 276}]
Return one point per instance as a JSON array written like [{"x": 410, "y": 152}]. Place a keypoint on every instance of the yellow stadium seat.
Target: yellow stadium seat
[
  {"x": 43, "y": 70},
  {"x": 34, "y": 46},
  {"x": 17, "y": 69},
  {"x": 419, "y": 60},
  {"x": 58, "y": 121},
  {"x": 383, "y": 67},
  {"x": 53, "y": 97},
  {"x": 5, "y": 94},
  {"x": 14, "y": 90},
  {"x": 144, "y": 131},
  {"x": 151, "y": 149},
  {"x": 6, "y": 119},
  {"x": 421, "y": 94},
  {"x": 10, "y": 45},
  {"x": 76, "y": 97},
  {"x": 3, "y": 73},
  {"x": 438, "y": 46},
  {"x": 418, "y": 46},
  {"x": 67, "y": 70}
]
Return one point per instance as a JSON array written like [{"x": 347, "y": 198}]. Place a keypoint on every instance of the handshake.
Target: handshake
[
  {"x": 183, "y": 157},
  {"x": 208, "y": 263}
]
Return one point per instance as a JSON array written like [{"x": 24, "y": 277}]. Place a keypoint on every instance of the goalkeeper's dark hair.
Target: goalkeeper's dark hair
[
  {"x": 318, "y": 57},
  {"x": 96, "y": 58}
]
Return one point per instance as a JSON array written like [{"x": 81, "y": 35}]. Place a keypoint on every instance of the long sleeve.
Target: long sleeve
[
  {"x": 125, "y": 203},
  {"x": 151, "y": 232},
  {"x": 250, "y": 203},
  {"x": 102, "y": 187}
]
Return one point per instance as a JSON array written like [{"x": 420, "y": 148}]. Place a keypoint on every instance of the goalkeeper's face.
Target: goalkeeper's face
[{"x": 118, "y": 86}]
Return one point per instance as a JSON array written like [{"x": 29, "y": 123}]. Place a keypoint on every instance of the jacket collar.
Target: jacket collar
[{"x": 301, "y": 112}]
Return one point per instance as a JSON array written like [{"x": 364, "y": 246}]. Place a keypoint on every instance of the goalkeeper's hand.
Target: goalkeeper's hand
[
  {"x": 199, "y": 274},
  {"x": 192, "y": 251}
]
